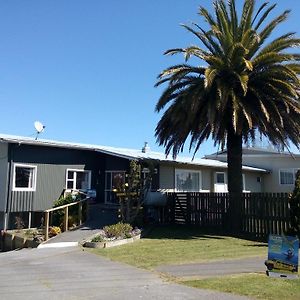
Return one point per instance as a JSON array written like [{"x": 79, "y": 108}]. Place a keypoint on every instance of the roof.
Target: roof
[
  {"x": 122, "y": 152},
  {"x": 255, "y": 151}
]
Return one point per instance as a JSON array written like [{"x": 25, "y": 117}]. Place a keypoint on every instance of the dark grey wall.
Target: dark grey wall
[
  {"x": 3, "y": 174},
  {"x": 52, "y": 164}
]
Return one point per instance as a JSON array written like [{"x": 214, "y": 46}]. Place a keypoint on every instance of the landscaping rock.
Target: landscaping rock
[{"x": 113, "y": 243}]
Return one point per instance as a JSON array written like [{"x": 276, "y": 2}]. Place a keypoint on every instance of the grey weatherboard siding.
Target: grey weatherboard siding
[{"x": 52, "y": 164}]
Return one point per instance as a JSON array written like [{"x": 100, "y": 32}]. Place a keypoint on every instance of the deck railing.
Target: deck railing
[{"x": 66, "y": 215}]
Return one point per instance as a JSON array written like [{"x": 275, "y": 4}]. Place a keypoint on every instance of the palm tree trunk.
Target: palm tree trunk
[{"x": 235, "y": 181}]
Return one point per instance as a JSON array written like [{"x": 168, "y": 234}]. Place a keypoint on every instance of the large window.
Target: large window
[
  {"x": 187, "y": 180},
  {"x": 78, "y": 179},
  {"x": 24, "y": 177},
  {"x": 113, "y": 180},
  {"x": 287, "y": 176}
]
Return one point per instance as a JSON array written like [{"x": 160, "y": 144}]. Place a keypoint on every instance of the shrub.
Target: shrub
[
  {"x": 119, "y": 230},
  {"x": 73, "y": 219},
  {"x": 54, "y": 230},
  {"x": 19, "y": 223},
  {"x": 294, "y": 202},
  {"x": 97, "y": 239}
]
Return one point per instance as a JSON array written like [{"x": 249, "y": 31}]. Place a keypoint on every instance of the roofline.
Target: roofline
[
  {"x": 265, "y": 154},
  {"x": 114, "y": 151}
]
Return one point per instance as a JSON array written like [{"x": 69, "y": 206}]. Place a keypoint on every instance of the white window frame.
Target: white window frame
[
  {"x": 291, "y": 170},
  {"x": 244, "y": 184},
  {"x": 89, "y": 172},
  {"x": 24, "y": 189},
  {"x": 189, "y": 171},
  {"x": 216, "y": 185}
]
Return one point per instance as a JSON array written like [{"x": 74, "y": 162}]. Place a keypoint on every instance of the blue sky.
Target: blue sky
[{"x": 87, "y": 69}]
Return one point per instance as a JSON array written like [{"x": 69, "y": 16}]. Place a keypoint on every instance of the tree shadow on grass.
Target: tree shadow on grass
[
  {"x": 183, "y": 232},
  {"x": 263, "y": 244}
]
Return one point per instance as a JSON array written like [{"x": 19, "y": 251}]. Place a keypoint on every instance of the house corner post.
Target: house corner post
[
  {"x": 66, "y": 218},
  {"x": 46, "y": 226},
  {"x": 80, "y": 213}
]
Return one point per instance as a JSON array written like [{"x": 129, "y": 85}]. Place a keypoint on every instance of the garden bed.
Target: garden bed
[
  {"x": 112, "y": 243},
  {"x": 114, "y": 235}
]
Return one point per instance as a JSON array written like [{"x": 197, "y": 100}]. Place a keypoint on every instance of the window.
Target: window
[
  {"x": 78, "y": 180},
  {"x": 287, "y": 176},
  {"x": 220, "y": 182},
  {"x": 187, "y": 180},
  {"x": 24, "y": 177},
  {"x": 220, "y": 178},
  {"x": 113, "y": 180}
]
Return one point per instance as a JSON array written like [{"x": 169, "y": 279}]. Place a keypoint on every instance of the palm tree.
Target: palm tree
[{"x": 248, "y": 85}]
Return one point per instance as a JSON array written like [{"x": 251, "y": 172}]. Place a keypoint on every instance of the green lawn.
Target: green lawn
[
  {"x": 180, "y": 245},
  {"x": 257, "y": 286}
]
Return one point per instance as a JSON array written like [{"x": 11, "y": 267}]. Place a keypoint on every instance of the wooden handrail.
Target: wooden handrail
[
  {"x": 65, "y": 205},
  {"x": 66, "y": 209}
]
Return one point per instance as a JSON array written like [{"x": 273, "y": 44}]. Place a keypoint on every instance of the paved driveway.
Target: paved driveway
[
  {"x": 218, "y": 268},
  {"x": 71, "y": 273}
]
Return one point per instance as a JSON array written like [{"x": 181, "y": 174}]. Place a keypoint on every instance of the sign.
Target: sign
[
  {"x": 91, "y": 194},
  {"x": 282, "y": 256}
]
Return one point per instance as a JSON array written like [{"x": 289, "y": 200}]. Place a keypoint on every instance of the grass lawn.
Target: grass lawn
[
  {"x": 180, "y": 245},
  {"x": 258, "y": 286}
]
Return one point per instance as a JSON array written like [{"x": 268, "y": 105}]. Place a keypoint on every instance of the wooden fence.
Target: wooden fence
[{"x": 262, "y": 213}]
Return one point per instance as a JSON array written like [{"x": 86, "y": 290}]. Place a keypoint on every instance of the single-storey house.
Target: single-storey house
[
  {"x": 34, "y": 173},
  {"x": 282, "y": 167}
]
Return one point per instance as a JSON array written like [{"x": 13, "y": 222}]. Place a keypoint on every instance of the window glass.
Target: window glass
[
  {"x": 70, "y": 175},
  {"x": 118, "y": 179},
  {"x": 113, "y": 180},
  {"x": 70, "y": 184},
  {"x": 286, "y": 177},
  {"x": 82, "y": 181},
  {"x": 78, "y": 180},
  {"x": 188, "y": 181},
  {"x": 220, "y": 178},
  {"x": 24, "y": 177}
]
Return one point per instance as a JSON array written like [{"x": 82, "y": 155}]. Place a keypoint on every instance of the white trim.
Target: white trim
[
  {"x": 89, "y": 172},
  {"x": 24, "y": 189},
  {"x": 58, "y": 245},
  {"x": 188, "y": 171},
  {"x": 244, "y": 184}
]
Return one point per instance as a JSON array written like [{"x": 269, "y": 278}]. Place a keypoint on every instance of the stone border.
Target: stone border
[
  {"x": 109, "y": 244},
  {"x": 11, "y": 241}
]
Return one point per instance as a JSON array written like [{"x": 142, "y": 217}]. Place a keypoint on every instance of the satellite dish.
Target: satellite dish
[{"x": 39, "y": 127}]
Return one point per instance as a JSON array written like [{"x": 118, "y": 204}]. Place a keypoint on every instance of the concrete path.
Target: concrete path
[
  {"x": 213, "y": 269},
  {"x": 98, "y": 217},
  {"x": 71, "y": 273}
]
